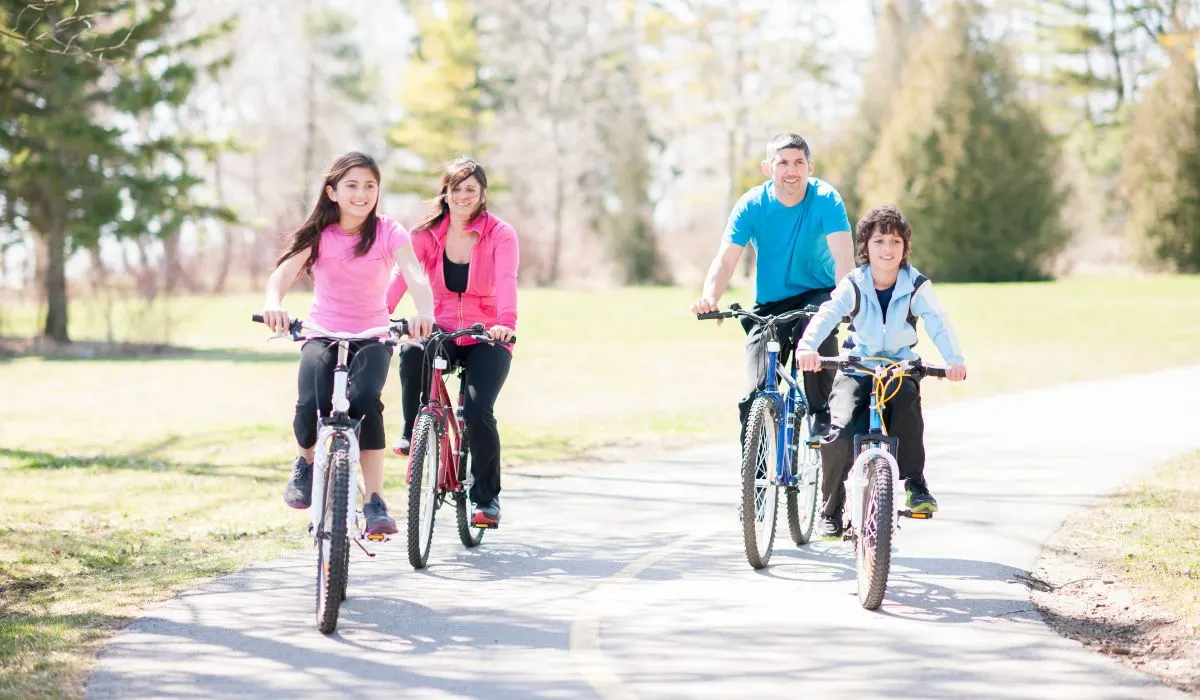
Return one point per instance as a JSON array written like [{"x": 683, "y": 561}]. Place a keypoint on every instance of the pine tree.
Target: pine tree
[
  {"x": 74, "y": 166},
  {"x": 968, "y": 161}
]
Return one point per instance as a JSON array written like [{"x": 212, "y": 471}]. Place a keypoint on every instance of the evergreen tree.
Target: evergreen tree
[
  {"x": 83, "y": 149},
  {"x": 968, "y": 161}
]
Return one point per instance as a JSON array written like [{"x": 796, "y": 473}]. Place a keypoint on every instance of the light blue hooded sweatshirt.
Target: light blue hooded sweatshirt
[{"x": 868, "y": 334}]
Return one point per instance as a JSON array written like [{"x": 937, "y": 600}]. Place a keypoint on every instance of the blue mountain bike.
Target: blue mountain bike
[{"x": 777, "y": 452}]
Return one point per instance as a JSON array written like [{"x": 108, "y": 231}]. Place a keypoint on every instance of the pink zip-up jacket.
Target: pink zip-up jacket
[{"x": 491, "y": 296}]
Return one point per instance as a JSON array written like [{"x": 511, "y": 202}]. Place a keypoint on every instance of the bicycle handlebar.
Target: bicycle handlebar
[
  {"x": 475, "y": 332},
  {"x": 913, "y": 368},
  {"x": 736, "y": 311},
  {"x": 298, "y": 326}
]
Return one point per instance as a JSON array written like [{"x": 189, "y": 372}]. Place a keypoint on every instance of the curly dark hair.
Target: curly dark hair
[{"x": 882, "y": 219}]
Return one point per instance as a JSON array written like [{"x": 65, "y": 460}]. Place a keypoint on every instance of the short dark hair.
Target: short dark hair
[
  {"x": 882, "y": 219},
  {"x": 779, "y": 142}
]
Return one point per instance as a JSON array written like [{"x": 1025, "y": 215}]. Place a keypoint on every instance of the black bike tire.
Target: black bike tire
[
  {"x": 801, "y": 530},
  {"x": 468, "y": 534},
  {"x": 873, "y": 566},
  {"x": 336, "y": 574},
  {"x": 424, "y": 438},
  {"x": 761, "y": 416}
]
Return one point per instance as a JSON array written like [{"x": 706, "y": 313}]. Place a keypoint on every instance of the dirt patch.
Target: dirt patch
[{"x": 1087, "y": 598}]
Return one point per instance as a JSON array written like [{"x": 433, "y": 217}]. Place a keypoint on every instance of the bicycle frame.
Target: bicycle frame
[
  {"x": 450, "y": 432},
  {"x": 338, "y": 423},
  {"x": 787, "y": 403},
  {"x": 874, "y": 443}
]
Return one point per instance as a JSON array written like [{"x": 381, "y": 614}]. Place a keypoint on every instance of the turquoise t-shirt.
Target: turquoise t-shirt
[{"x": 793, "y": 254}]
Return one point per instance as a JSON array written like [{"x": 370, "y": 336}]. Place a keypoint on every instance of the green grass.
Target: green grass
[
  {"x": 1158, "y": 522},
  {"x": 127, "y": 480}
]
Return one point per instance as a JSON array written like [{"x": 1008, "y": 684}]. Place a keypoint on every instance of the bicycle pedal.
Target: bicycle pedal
[
  {"x": 915, "y": 516},
  {"x": 377, "y": 537}
]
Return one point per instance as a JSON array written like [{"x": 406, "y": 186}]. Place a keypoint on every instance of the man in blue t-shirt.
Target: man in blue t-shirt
[{"x": 800, "y": 232}]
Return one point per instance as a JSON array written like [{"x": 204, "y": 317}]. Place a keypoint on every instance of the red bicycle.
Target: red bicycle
[{"x": 439, "y": 464}]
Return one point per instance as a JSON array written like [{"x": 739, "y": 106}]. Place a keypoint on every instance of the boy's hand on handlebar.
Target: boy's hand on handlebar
[
  {"x": 276, "y": 319},
  {"x": 500, "y": 333},
  {"x": 808, "y": 361},
  {"x": 705, "y": 305},
  {"x": 956, "y": 373},
  {"x": 420, "y": 326}
]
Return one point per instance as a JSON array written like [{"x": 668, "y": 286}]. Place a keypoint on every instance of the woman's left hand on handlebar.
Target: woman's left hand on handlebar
[
  {"x": 500, "y": 333},
  {"x": 956, "y": 373},
  {"x": 420, "y": 327}
]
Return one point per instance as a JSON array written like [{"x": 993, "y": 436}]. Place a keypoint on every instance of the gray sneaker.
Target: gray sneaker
[
  {"x": 378, "y": 520},
  {"x": 830, "y": 526},
  {"x": 298, "y": 492}
]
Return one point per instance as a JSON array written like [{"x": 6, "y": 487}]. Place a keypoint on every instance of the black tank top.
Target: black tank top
[{"x": 455, "y": 274}]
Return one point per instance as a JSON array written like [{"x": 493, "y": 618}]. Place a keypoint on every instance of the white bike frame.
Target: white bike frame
[{"x": 858, "y": 484}]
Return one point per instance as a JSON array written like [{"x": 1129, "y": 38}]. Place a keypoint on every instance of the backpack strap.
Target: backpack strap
[
  {"x": 919, "y": 282},
  {"x": 848, "y": 344}
]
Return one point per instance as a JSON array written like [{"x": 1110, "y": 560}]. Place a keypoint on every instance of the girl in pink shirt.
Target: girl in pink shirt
[
  {"x": 349, "y": 251},
  {"x": 471, "y": 257}
]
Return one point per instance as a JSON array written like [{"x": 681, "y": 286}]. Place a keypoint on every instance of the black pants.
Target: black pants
[
  {"x": 849, "y": 406},
  {"x": 817, "y": 385},
  {"x": 368, "y": 363},
  {"x": 487, "y": 368}
]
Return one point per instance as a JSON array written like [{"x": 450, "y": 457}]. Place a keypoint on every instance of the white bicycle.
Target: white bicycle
[
  {"x": 871, "y": 521},
  {"x": 335, "y": 464}
]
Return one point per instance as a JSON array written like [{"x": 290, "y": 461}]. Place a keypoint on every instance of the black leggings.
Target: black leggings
[
  {"x": 487, "y": 368},
  {"x": 849, "y": 407},
  {"x": 369, "y": 361}
]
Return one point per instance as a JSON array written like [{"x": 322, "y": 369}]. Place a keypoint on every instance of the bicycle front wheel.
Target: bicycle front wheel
[
  {"x": 333, "y": 541},
  {"x": 802, "y": 500},
  {"x": 425, "y": 460},
  {"x": 873, "y": 546},
  {"x": 760, "y": 497}
]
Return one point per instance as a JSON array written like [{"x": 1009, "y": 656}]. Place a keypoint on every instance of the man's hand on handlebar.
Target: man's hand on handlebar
[{"x": 705, "y": 305}]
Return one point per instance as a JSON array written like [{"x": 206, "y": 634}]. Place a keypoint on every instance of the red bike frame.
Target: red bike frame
[{"x": 439, "y": 406}]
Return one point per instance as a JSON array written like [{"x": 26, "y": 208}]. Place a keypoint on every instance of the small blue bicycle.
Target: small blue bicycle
[{"x": 777, "y": 451}]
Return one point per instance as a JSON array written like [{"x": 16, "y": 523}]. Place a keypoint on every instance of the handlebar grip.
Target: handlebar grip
[
  {"x": 709, "y": 315},
  {"x": 830, "y": 364},
  {"x": 939, "y": 372},
  {"x": 257, "y": 318}
]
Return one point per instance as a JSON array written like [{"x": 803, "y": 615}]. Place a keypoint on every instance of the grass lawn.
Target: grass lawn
[{"x": 125, "y": 481}]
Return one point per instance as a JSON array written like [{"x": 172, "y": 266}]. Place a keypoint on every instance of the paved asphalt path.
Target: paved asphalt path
[{"x": 628, "y": 580}]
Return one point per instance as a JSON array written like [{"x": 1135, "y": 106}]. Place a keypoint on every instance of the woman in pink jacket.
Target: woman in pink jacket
[{"x": 471, "y": 258}]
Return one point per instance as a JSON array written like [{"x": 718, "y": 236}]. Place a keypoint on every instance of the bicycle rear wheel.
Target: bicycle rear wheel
[
  {"x": 464, "y": 510},
  {"x": 873, "y": 546},
  {"x": 760, "y": 497},
  {"x": 802, "y": 500},
  {"x": 333, "y": 540},
  {"x": 425, "y": 460}
]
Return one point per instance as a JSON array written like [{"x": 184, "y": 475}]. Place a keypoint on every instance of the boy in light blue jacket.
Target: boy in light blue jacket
[{"x": 884, "y": 298}]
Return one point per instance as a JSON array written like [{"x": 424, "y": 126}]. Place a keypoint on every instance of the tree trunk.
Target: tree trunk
[{"x": 56, "y": 283}]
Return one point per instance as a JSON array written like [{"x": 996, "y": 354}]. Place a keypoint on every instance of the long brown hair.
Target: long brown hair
[
  {"x": 454, "y": 173},
  {"x": 326, "y": 213}
]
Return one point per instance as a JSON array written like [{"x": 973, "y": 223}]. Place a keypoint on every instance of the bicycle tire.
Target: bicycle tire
[
  {"x": 802, "y": 500},
  {"x": 468, "y": 534},
  {"x": 425, "y": 461},
  {"x": 873, "y": 549},
  {"x": 333, "y": 552},
  {"x": 760, "y": 498}
]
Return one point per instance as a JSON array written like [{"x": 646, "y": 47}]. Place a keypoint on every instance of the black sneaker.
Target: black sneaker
[
  {"x": 378, "y": 520},
  {"x": 298, "y": 492},
  {"x": 917, "y": 496},
  {"x": 830, "y": 526},
  {"x": 488, "y": 516},
  {"x": 820, "y": 428}
]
